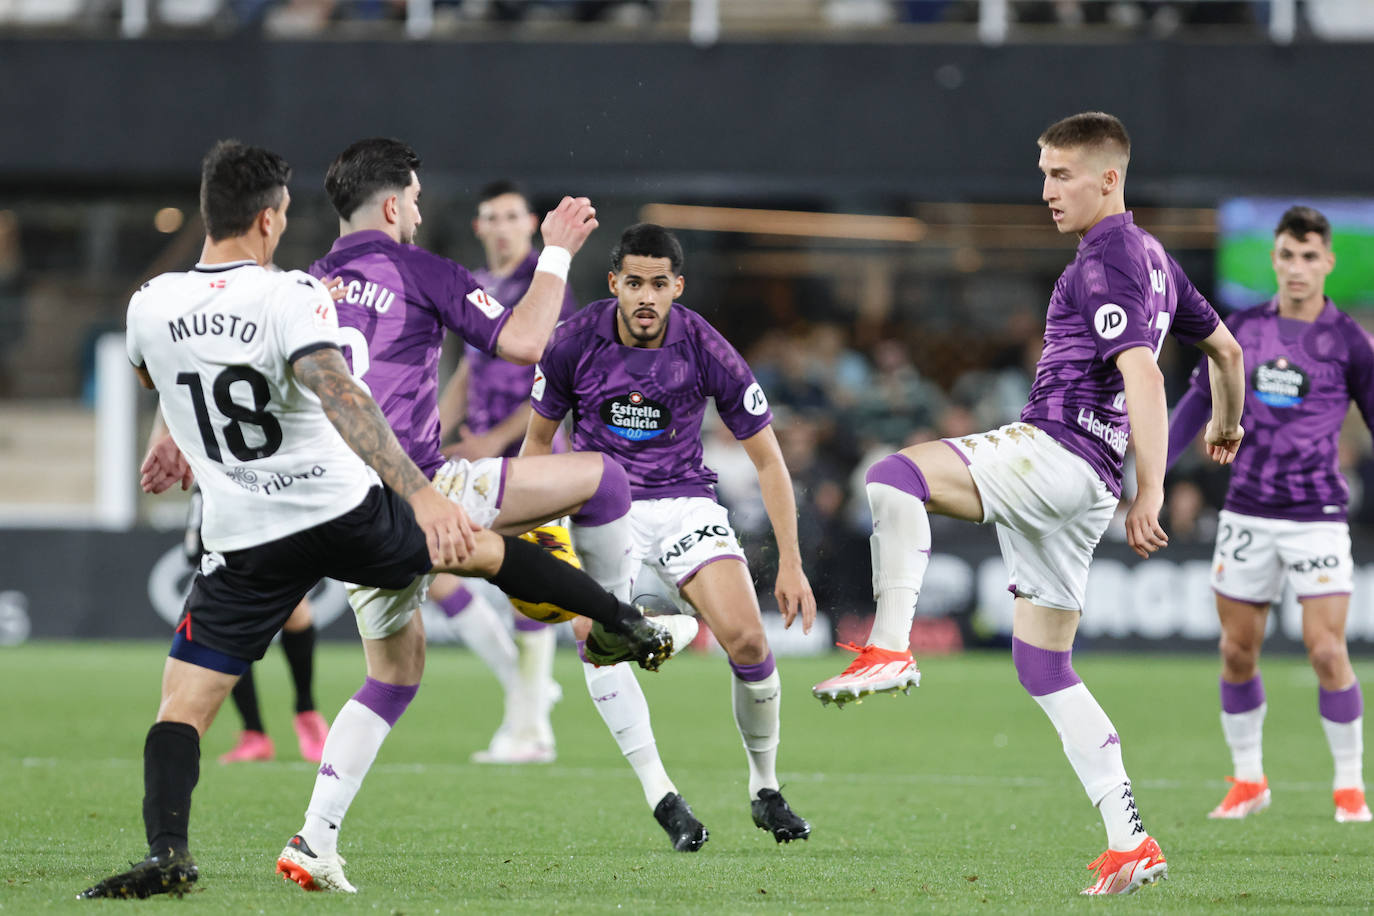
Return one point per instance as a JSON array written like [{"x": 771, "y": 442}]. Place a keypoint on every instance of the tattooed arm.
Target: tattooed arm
[{"x": 360, "y": 422}]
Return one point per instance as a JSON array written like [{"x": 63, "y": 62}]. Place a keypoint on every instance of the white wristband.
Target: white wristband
[{"x": 555, "y": 260}]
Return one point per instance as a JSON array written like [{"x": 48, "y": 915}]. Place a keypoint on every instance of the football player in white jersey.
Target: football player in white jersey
[{"x": 291, "y": 455}]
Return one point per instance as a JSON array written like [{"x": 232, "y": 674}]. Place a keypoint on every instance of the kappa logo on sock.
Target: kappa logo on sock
[
  {"x": 1111, "y": 739},
  {"x": 770, "y": 698},
  {"x": 610, "y": 696},
  {"x": 328, "y": 770},
  {"x": 1129, "y": 798}
]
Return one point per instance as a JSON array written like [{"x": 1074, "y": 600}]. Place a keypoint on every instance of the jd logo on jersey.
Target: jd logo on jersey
[
  {"x": 1280, "y": 383},
  {"x": 1110, "y": 321},
  {"x": 633, "y": 416}
]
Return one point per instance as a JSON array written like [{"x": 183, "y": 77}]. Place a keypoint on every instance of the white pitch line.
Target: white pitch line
[{"x": 618, "y": 772}]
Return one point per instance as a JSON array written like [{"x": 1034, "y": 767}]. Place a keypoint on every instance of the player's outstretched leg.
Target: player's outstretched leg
[
  {"x": 1242, "y": 722},
  {"x": 1342, "y": 713},
  {"x": 620, "y": 631},
  {"x": 620, "y": 702},
  {"x": 897, "y": 494},
  {"x": 1133, "y": 858}
]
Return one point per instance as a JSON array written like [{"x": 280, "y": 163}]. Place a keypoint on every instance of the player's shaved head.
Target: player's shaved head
[
  {"x": 1095, "y": 132},
  {"x": 365, "y": 168},
  {"x": 237, "y": 182}
]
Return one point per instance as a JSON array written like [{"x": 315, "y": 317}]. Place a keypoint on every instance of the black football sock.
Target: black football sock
[
  {"x": 246, "y": 702},
  {"x": 171, "y": 768},
  {"x": 300, "y": 655},
  {"x": 531, "y": 573}
]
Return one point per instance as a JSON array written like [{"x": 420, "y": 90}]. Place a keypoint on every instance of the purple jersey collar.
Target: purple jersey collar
[
  {"x": 1271, "y": 308},
  {"x": 361, "y": 237},
  {"x": 606, "y": 325},
  {"x": 1105, "y": 225}
]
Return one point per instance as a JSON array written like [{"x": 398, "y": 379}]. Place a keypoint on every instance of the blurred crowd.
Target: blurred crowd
[
  {"x": 839, "y": 408},
  {"x": 1332, "y": 19}
]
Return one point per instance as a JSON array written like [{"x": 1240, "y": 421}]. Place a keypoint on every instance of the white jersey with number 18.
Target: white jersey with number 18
[{"x": 218, "y": 342}]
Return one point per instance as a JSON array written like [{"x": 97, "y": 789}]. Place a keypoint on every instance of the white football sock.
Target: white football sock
[
  {"x": 1244, "y": 733},
  {"x": 1119, "y": 815},
  {"x": 1347, "y": 750},
  {"x": 900, "y": 545},
  {"x": 1094, "y": 750},
  {"x": 354, "y": 738},
  {"x": 757, "y": 706},
  {"x": 535, "y": 650},
  {"x": 620, "y": 701},
  {"x": 605, "y": 554},
  {"x": 484, "y": 631}
]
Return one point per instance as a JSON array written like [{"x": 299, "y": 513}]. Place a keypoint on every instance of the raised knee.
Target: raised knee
[{"x": 901, "y": 473}]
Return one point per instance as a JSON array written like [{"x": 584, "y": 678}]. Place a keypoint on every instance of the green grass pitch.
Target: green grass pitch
[{"x": 954, "y": 799}]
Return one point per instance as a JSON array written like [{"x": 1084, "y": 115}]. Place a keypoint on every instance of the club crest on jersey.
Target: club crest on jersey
[
  {"x": 1280, "y": 383},
  {"x": 635, "y": 417}
]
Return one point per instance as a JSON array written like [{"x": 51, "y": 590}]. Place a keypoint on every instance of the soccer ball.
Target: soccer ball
[{"x": 554, "y": 539}]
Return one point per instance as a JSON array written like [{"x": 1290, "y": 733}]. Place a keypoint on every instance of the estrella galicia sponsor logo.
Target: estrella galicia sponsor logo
[
  {"x": 633, "y": 416},
  {"x": 1280, "y": 383}
]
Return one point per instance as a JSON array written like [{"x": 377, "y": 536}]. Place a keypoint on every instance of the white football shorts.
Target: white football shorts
[
  {"x": 477, "y": 486},
  {"x": 676, "y": 537},
  {"x": 1254, "y": 555},
  {"x": 1049, "y": 505}
]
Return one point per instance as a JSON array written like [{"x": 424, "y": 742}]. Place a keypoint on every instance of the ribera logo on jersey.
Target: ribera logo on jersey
[
  {"x": 633, "y": 416},
  {"x": 1280, "y": 383}
]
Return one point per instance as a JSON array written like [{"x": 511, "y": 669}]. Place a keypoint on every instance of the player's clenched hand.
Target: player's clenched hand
[
  {"x": 569, "y": 224},
  {"x": 1222, "y": 445},
  {"x": 1143, "y": 532},
  {"x": 793, "y": 592},
  {"x": 448, "y": 530},
  {"x": 163, "y": 466}
]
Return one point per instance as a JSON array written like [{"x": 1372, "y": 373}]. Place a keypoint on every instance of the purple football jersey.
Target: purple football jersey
[
  {"x": 644, "y": 407},
  {"x": 399, "y": 300},
  {"x": 1300, "y": 379},
  {"x": 1121, "y": 291},
  {"x": 497, "y": 387}
]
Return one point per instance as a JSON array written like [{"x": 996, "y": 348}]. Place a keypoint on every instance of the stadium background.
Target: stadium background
[{"x": 854, "y": 181}]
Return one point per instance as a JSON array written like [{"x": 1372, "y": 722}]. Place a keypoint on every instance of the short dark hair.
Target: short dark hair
[
  {"x": 1090, "y": 129},
  {"x": 1299, "y": 221},
  {"x": 501, "y": 188},
  {"x": 648, "y": 240},
  {"x": 237, "y": 182},
  {"x": 366, "y": 167}
]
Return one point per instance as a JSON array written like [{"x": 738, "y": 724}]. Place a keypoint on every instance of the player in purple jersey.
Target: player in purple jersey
[
  {"x": 637, "y": 372},
  {"x": 1285, "y": 512},
  {"x": 486, "y": 404},
  {"x": 399, "y": 300},
  {"x": 1051, "y": 481},
  {"x": 282, "y": 410}
]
